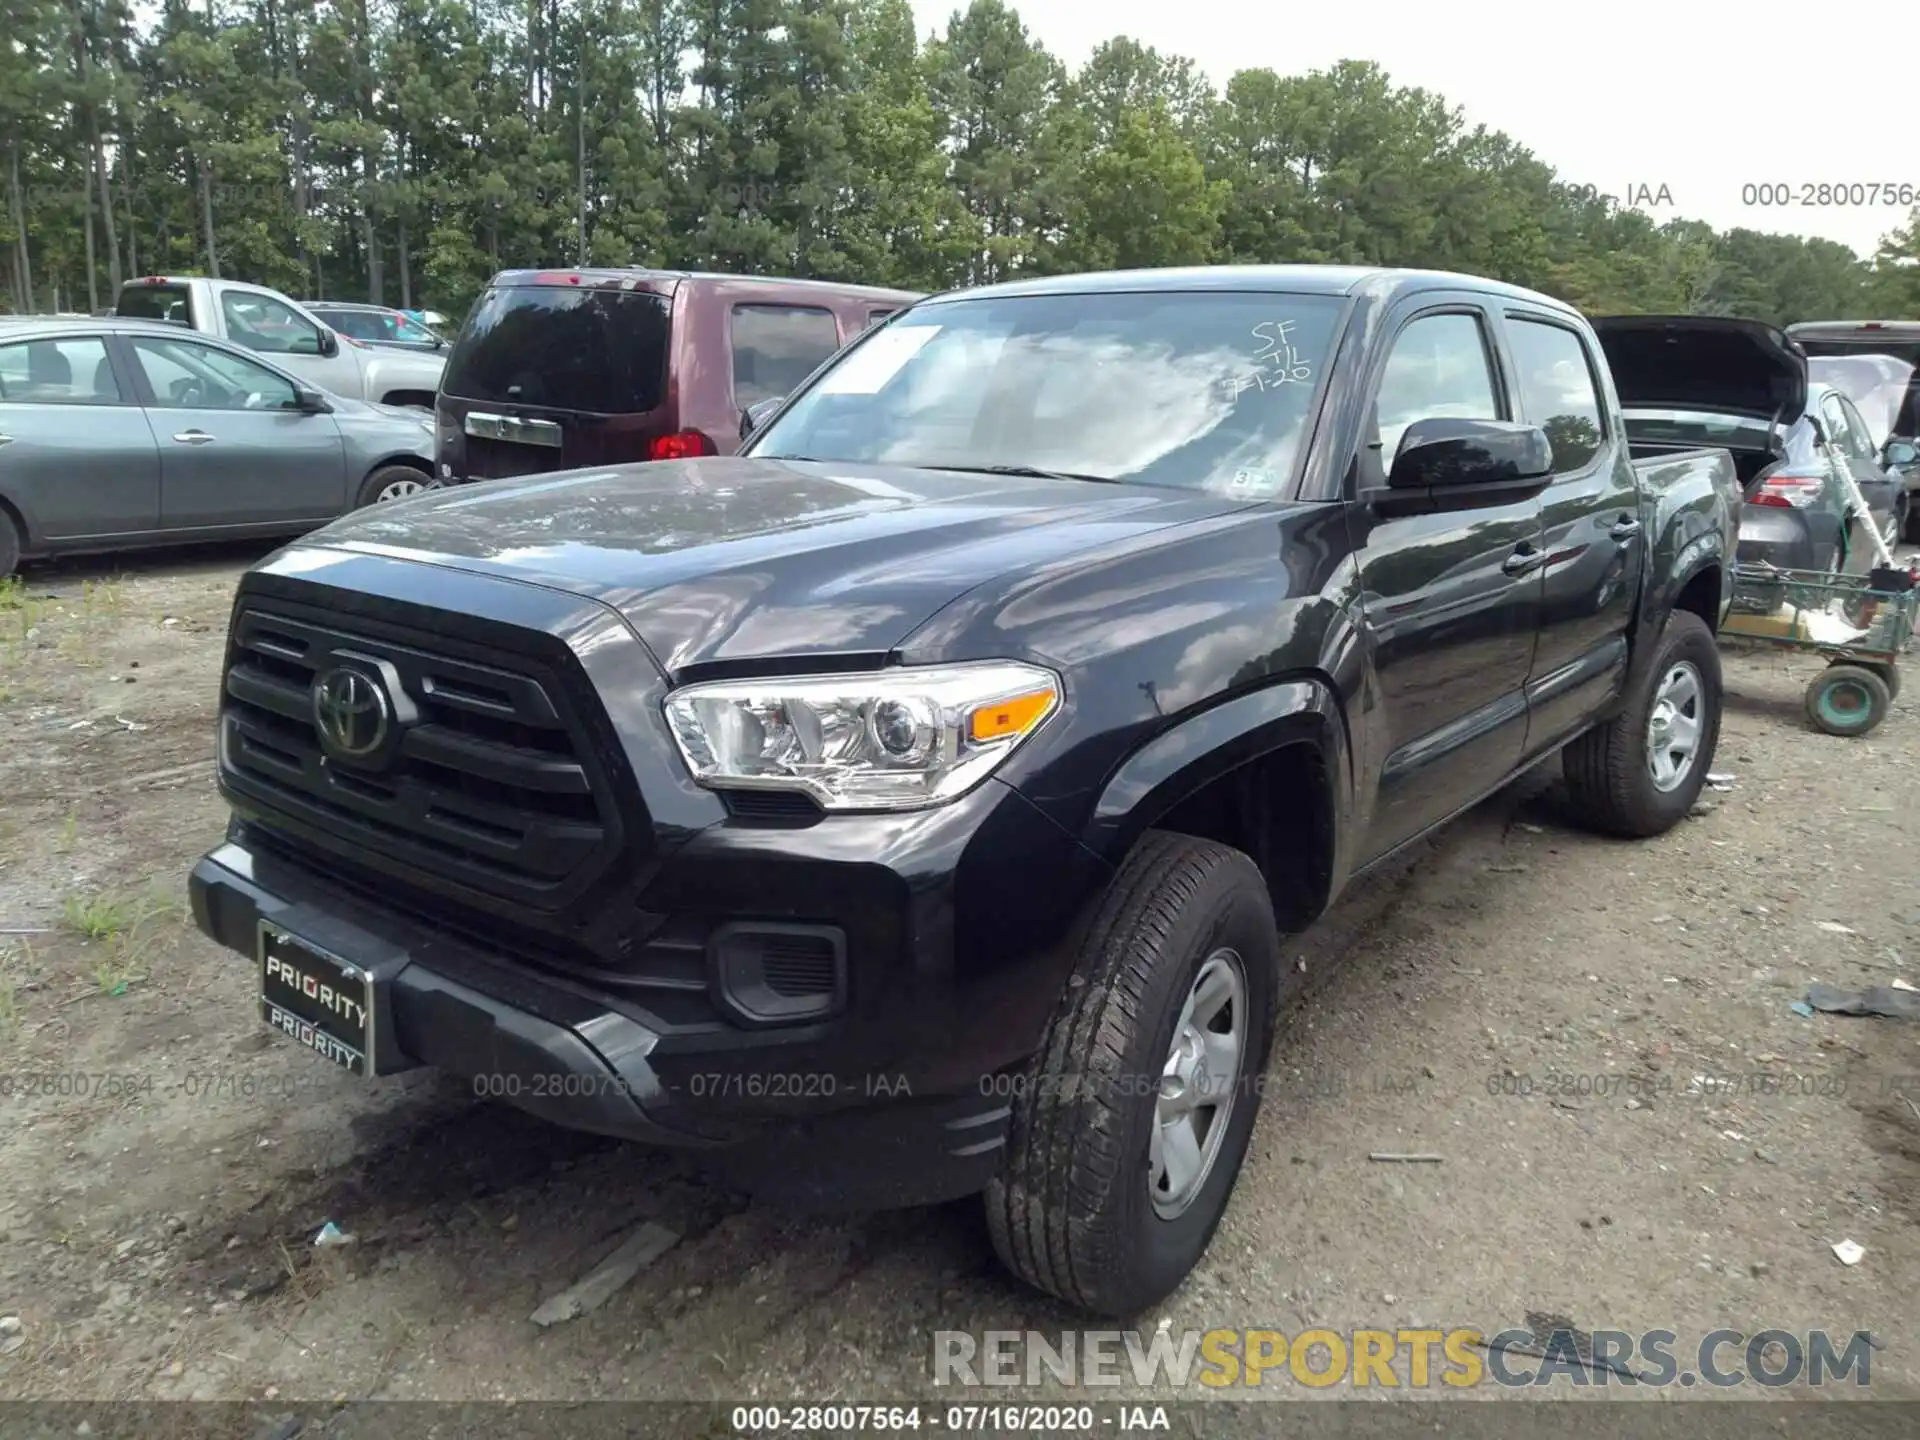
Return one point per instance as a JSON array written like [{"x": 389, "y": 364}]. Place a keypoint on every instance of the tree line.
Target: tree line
[{"x": 401, "y": 151}]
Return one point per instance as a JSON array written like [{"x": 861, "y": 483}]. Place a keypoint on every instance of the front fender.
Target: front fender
[
  {"x": 383, "y": 374},
  {"x": 1210, "y": 743}
]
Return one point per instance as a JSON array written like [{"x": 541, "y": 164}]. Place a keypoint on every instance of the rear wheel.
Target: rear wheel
[
  {"x": 1131, "y": 1123},
  {"x": 1848, "y": 700},
  {"x": 1640, "y": 773},
  {"x": 393, "y": 482}
]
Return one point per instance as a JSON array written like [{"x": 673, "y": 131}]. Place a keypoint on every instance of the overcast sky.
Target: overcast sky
[{"x": 1700, "y": 97}]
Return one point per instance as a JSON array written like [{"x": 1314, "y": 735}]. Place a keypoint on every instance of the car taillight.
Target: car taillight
[
  {"x": 1790, "y": 491},
  {"x": 681, "y": 445}
]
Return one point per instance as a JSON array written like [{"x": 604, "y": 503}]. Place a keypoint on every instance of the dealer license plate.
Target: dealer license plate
[{"x": 316, "y": 998}]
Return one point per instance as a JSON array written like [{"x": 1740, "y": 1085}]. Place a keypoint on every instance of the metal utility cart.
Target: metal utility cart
[{"x": 1861, "y": 623}]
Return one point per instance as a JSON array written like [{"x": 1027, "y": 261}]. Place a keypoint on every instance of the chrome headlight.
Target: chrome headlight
[{"x": 885, "y": 740}]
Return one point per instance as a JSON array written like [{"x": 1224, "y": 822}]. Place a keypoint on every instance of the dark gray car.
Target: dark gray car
[{"x": 120, "y": 433}]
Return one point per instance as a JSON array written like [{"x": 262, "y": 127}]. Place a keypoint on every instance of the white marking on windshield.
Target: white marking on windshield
[{"x": 1276, "y": 363}]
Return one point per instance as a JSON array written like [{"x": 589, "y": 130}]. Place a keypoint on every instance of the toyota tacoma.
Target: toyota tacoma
[{"x": 911, "y": 805}]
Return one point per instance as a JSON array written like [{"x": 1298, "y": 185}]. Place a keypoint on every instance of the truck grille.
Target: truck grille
[{"x": 489, "y": 780}]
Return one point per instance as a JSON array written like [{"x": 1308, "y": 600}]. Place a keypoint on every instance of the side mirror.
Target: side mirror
[
  {"x": 1455, "y": 454},
  {"x": 757, "y": 414},
  {"x": 311, "y": 402},
  {"x": 1901, "y": 454},
  {"x": 329, "y": 342}
]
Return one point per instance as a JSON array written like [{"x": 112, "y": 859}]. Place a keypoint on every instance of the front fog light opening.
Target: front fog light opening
[{"x": 775, "y": 974}]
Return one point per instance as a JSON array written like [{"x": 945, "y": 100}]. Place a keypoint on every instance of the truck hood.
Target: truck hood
[
  {"x": 1704, "y": 363},
  {"x": 735, "y": 558}
]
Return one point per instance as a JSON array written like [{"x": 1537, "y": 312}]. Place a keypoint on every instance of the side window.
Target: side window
[
  {"x": 1439, "y": 367},
  {"x": 1557, "y": 388},
  {"x": 775, "y": 347},
  {"x": 347, "y": 322},
  {"x": 263, "y": 323},
  {"x": 57, "y": 372},
  {"x": 185, "y": 376},
  {"x": 1863, "y": 447},
  {"x": 1839, "y": 431}
]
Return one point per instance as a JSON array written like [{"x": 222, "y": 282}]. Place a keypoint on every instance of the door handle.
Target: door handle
[
  {"x": 6, "y": 439},
  {"x": 1524, "y": 561},
  {"x": 1625, "y": 528},
  {"x": 193, "y": 437}
]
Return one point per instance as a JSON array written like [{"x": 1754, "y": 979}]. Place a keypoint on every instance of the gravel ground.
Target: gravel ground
[{"x": 1524, "y": 1000}]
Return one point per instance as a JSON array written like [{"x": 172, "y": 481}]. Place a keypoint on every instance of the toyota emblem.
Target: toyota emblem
[{"x": 352, "y": 711}]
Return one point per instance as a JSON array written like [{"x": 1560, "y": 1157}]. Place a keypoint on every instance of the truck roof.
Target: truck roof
[
  {"x": 1865, "y": 331},
  {"x": 1382, "y": 282},
  {"x": 558, "y": 274}
]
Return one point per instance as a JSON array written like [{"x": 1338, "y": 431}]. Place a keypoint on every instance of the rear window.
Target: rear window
[
  {"x": 775, "y": 347},
  {"x": 156, "y": 302},
  {"x": 1883, "y": 384},
  {"x": 563, "y": 349}
]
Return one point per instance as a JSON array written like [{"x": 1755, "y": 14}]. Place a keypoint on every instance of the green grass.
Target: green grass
[
  {"x": 98, "y": 917},
  {"x": 100, "y": 597},
  {"x": 127, "y": 926},
  {"x": 25, "y": 615}
]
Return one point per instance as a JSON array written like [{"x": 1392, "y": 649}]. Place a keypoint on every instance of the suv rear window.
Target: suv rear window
[
  {"x": 775, "y": 347},
  {"x": 155, "y": 302},
  {"x": 1882, "y": 381},
  {"x": 564, "y": 349}
]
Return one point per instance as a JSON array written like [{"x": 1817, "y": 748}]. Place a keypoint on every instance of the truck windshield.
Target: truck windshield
[
  {"x": 599, "y": 352},
  {"x": 1199, "y": 390}
]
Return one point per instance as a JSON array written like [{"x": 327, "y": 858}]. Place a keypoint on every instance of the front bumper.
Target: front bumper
[{"x": 888, "y": 1103}]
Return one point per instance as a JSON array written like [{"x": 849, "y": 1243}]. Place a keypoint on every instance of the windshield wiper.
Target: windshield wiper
[{"x": 1029, "y": 472}]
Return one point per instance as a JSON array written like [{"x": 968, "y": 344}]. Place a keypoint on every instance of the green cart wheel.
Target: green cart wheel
[
  {"x": 1890, "y": 674},
  {"x": 1848, "y": 700}
]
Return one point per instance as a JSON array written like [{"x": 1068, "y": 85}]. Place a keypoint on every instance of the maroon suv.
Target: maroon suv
[{"x": 557, "y": 369}]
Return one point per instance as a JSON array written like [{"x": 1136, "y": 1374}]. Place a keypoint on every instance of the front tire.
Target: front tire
[
  {"x": 1640, "y": 773},
  {"x": 9, "y": 545},
  {"x": 392, "y": 482},
  {"x": 1126, "y": 1135}
]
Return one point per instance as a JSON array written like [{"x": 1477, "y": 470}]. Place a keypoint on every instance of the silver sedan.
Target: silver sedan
[{"x": 116, "y": 434}]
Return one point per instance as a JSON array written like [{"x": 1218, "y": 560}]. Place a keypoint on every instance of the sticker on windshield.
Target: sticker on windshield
[
  {"x": 1253, "y": 485},
  {"x": 870, "y": 367}
]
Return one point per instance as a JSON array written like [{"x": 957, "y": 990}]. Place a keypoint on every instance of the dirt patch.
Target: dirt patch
[{"x": 1638, "y": 1131}]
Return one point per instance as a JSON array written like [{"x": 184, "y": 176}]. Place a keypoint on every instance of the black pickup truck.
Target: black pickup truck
[{"x": 910, "y": 806}]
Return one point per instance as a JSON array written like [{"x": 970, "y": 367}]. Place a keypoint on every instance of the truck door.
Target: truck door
[
  {"x": 1449, "y": 600},
  {"x": 1594, "y": 541}
]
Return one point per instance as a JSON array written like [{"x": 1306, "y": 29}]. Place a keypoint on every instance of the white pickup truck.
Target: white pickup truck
[{"x": 276, "y": 325}]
